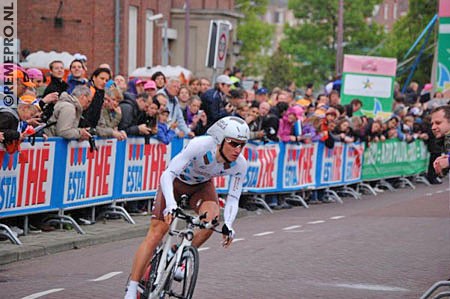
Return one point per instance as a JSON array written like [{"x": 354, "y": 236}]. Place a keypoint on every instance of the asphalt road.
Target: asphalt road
[{"x": 394, "y": 245}]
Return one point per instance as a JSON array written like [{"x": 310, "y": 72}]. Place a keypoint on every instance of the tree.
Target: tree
[
  {"x": 255, "y": 35},
  {"x": 279, "y": 71},
  {"x": 311, "y": 43},
  {"x": 404, "y": 34}
]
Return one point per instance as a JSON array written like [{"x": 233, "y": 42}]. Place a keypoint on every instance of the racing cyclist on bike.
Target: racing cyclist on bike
[{"x": 219, "y": 153}]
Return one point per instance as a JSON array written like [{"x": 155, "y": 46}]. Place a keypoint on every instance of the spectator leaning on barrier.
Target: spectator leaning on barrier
[
  {"x": 267, "y": 124},
  {"x": 175, "y": 114},
  {"x": 111, "y": 115},
  {"x": 353, "y": 107},
  {"x": 134, "y": 116},
  {"x": 97, "y": 86},
  {"x": 10, "y": 124},
  {"x": 440, "y": 121},
  {"x": 67, "y": 114}
]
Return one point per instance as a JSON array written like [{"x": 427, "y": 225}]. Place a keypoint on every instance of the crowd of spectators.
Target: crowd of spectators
[{"x": 82, "y": 105}]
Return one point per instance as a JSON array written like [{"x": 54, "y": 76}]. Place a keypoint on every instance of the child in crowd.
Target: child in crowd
[{"x": 165, "y": 132}]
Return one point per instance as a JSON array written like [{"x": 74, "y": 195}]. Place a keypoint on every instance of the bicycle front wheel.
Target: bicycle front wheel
[{"x": 181, "y": 282}]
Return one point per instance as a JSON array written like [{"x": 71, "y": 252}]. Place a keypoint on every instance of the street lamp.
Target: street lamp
[
  {"x": 165, "y": 50},
  {"x": 237, "y": 45}
]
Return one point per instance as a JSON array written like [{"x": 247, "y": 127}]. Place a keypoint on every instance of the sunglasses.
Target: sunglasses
[{"x": 235, "y": 144}]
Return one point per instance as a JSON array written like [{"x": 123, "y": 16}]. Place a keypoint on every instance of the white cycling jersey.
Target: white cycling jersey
[{"x": 197, "y": 163}]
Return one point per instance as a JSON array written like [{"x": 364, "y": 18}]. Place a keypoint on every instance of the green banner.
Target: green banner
[
  {"x": 443, "y": 74},
  {"x": 374, "y": 91},
  {"x": 394, "y": 158}
]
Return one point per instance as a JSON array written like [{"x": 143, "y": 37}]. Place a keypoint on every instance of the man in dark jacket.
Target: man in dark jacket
[
  {"x": 134, "y": 116},
  {"x": 214, "y": 101}
]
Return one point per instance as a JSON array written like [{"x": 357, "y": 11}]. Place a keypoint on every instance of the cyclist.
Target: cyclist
[{"x": 219, "y": 153}]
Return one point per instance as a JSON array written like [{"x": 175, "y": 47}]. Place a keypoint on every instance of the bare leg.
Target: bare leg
[
  {"x": 203, "y": 234},
  {"x": 156, "y": 232}
]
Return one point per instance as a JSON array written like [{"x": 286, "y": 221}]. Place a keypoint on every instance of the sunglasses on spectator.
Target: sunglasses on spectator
[{"x": 234, "y": 144}]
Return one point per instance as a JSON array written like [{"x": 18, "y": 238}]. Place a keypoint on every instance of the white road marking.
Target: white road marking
[
  {"x": 203, "y": 248},
  {"x": 337, "y": 217},
  {"x": 448, "y": 189},
  {"x": 292, "y": 227},
  {"x": 106, "y": 276},
  {"x": 238, "y": 239},
  {"x": 439, "y": 191},
  {"x": 429, "y": 194},
  {"x": 263, "y": 234},
  {"x": 40, "y": 294},
  {"x": 298, "y": 231},
  {"x": 316, "y": 222},
  {"x": 370, "y": 287}
]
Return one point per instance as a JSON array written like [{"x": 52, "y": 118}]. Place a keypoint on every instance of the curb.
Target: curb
[{"x": 62, "y": 240}]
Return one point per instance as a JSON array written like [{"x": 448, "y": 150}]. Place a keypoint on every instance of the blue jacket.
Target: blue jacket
[{"x": 164, "y": 134}]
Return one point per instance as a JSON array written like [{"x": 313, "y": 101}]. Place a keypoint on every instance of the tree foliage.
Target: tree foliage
[
  {"x": 279, "y": 71},
  {"x": 311, "y": 44},
  {"x": 404, "y": 34},
  {"x": 256, "y": 37}
]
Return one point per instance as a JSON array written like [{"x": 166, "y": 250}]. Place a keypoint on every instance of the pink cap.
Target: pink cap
[
  {"x": 428, "y": 86},
  {"x": 150, "y": 85},
  {"x": 139, "y": 81},
  {"x": 35, "y": 74}
]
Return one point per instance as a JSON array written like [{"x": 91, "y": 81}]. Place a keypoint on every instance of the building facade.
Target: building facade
[{"x": 126, "y": 34}]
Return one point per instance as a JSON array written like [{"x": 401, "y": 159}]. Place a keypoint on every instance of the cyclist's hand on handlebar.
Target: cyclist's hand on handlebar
[
  {"x": 169, "y": 214},
  {"x": 227, "y": 236}
]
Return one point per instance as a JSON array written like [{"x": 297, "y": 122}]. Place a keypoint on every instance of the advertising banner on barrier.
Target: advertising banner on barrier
[
  {"x": 394, "y": 159},
  {"x": 143, "y": 166},
  {"x": 331, "y": 161},
  {"x": 262, "y": 172},
  {"x": 26, "y": 179},
  {"x": 89, "y": 174},
  {"x": 299, "y": 166},
  {"x": 354, "y": 154}
]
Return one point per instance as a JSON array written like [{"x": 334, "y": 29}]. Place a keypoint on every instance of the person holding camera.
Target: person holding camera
[
  {"x": 67, "y": 114},
  {"x": 440, "y": 125},
  {"x": 214, "y": 101},
  {"x": 134, "y": 117},
  {"x": 195, "y": 118}
]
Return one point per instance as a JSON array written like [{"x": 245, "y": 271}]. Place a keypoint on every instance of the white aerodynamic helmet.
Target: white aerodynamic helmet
[{"x": 231, "y": 127}]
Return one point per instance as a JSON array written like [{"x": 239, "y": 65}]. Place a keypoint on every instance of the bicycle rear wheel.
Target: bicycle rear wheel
[{"x": 181, "y": 282}]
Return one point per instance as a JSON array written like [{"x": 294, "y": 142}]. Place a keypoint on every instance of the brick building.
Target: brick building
[{"x": 119, "y": 32}]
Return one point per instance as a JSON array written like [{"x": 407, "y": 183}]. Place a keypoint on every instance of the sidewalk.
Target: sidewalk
[{"x": 45, "y": 243}]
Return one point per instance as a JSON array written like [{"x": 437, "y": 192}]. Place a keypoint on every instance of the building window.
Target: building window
[
  {"x": 395, "y": 10},
  {"x": 149, "y": 32},
  {"x": 386, "y": 11},
  {"x": 278, "y": 17},
  {"x": 132, "y": 38}
]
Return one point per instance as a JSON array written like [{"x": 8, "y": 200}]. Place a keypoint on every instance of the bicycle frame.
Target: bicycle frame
[{"x": 164, "y": 270}]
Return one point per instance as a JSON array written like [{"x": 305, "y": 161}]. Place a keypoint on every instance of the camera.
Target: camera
[
  {"x": 200, "y": 112},
  {"x": 92, "y": 145}
]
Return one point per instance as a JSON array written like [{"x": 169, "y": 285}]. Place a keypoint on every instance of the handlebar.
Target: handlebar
[{"x": 198, "y": 220}]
